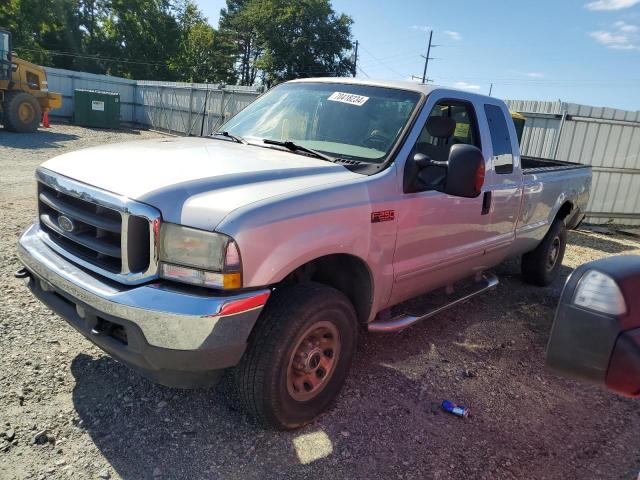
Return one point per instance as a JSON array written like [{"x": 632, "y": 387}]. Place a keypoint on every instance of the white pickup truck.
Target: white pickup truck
[{"x": 270, "y": 245}]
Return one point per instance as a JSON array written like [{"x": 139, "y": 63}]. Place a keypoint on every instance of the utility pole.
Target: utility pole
[
  {"x": 428, "y": 57},
  {"x": 355, "y": 59},
  {"x": 490, "y": 89}
]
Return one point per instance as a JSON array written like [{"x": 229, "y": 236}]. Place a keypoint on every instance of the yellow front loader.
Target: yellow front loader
[{"x": 24, "y": 91}]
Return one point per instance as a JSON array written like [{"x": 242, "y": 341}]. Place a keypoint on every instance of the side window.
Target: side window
[
  {"x": 33, "y": 81},
  {"x": 460, "y": 122},
  {"x": 450, "y": 122},
  {"x": 500, "y": 138}
]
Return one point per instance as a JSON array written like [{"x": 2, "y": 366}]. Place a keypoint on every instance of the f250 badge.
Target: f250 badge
[{"x": 383, "y": 216}]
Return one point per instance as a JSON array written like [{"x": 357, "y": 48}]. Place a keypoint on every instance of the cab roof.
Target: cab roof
[
  {"x": 411, "y": 86},
  {"x": 400, "y": 85}
]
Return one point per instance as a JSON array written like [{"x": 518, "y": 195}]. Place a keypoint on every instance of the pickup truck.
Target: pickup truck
[{"x": 270, "y": 245}]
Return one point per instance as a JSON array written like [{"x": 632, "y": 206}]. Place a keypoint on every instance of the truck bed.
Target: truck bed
[
  {"x": 546, "y": 181},
  {"x": 540, "y": 165}
]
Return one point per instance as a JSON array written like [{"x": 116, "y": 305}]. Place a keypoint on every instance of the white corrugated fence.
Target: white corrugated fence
[
  {"x": 605, "y": 138},
  {"x": 175, "y": 107}
]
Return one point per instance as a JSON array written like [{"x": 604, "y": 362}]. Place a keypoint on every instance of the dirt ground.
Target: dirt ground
[{"x": 69, "y": 411}]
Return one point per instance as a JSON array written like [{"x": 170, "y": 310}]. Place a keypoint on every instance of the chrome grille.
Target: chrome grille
[
  {"x": 96, "y": 232},
  {"x": 104, "y": 232}
]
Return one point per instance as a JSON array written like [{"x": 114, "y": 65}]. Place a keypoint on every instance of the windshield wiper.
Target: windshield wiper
[
  {"x": 294, "y": 147},
  {"x": 235, "y": 138}
]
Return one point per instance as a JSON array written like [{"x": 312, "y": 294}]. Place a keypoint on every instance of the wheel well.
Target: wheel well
[
  {"x": 565, "y": 210},
  {"x": 346, "y": 273}
]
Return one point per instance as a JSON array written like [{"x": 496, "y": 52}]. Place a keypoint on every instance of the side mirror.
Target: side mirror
[
  {"x": 421, "y": 160},
  {"x": 596, "y": 332},
  {"x": 414, "y": 165},
  {"x": 465, "y": 175}
]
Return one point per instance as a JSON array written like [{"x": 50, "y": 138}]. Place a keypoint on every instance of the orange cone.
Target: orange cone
[{"x": 45, "y": 120}]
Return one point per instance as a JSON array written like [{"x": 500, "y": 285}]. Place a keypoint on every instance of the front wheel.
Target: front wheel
[
  {"x": 299, "y": 355},
  {"x": 22, "y": 112},
  {"x": 542, "y": 265}
]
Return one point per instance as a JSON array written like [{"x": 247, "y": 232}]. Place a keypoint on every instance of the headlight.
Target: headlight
[
  {"x": 198, "y": 257},
  {"x": 598, "y": 291}
]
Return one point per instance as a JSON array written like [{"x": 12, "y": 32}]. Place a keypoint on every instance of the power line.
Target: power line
[
  {"x": 363, "y": 72},
  {"x": 382, "y": 63},
  {"x": 89, "y": 57}
]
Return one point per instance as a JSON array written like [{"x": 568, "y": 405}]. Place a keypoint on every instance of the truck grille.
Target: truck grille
[{"x": 104, "y": 232}]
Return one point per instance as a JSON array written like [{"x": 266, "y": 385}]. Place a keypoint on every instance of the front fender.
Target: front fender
[{"x": 277, "y": 236}]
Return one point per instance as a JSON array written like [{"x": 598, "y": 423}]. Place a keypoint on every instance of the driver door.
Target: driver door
[{"x": 441, "y": 238}]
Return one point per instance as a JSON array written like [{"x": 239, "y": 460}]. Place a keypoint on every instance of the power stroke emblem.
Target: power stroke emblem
[
  {"x": 66, "y": 223},
  {"x": 383, "y": 216}
]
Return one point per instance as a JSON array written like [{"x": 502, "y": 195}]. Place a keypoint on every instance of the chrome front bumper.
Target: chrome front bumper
[{"x": 161, "y": 321}]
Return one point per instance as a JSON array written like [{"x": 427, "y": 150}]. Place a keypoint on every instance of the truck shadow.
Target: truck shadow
[
  {"x": 39, "y": 139},
  {"x": 146, "y": 431}
]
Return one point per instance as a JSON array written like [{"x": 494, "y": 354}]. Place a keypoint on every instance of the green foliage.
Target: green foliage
[
  {"x": 205, "y": 54},
  {"x": 257, "y": 40},
  {"x": 284, "y": 39}
]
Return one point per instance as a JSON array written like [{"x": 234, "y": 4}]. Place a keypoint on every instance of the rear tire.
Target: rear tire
[
  {"x": 22, "y": 112},
  {"x": 542, "y": 265},
  {"x": 299, "y": 355}
]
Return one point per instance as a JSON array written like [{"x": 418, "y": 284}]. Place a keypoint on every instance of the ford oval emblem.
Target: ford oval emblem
[{"x": 66, "y": 223}]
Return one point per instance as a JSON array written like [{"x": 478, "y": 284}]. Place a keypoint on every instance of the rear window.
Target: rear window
[{"x": 500, "y": 138}]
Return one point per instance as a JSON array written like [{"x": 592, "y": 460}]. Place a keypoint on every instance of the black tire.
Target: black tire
[
  {"x": 542, "y": 265},
  {"x": 262, "y": 377},
  {"x": 14, "y": 104}
]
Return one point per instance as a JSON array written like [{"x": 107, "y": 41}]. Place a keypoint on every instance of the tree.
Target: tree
[
  {"x": 238, "y": 25},
  {"x": 286, "y": 39},
  {"x": 204, "y": 54},
  {"x": 303, "y": 39},
  {"x": 24, "y": 18},
  {"x": 267, "y": 40},
  {"x": 144, "y": 36}
]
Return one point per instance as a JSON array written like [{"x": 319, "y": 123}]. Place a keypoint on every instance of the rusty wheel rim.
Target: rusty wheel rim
[
  {"x": 313, "y": 361},
  {"x": 26, "y": 112}
]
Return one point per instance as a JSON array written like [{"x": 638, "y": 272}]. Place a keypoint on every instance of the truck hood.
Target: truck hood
[{"x": 195, "y": 181}]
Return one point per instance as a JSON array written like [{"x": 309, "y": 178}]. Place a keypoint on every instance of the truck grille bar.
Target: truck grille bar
[{"x": 107, "y": 233}]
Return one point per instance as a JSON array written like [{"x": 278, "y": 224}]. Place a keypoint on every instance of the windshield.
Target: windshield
[{"x": 354, "y": 122}]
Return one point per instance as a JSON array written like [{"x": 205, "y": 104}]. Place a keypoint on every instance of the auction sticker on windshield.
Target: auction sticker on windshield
[{"x": 350, "y": 98}]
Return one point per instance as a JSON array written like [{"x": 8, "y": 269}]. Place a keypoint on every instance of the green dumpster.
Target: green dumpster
[{"x": 93, "y": 108}]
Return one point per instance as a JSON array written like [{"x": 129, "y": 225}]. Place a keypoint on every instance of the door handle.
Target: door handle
[{"x": 486, "y": 203}]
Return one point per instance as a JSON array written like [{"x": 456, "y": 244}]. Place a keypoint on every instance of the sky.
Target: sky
[{"x": 581, "y": 51}]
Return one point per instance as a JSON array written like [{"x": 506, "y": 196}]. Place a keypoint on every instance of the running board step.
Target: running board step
[{"x": 405, "y": 320}]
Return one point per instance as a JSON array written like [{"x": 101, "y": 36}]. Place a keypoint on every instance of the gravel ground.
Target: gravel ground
[{"x": 68, "y": 411}]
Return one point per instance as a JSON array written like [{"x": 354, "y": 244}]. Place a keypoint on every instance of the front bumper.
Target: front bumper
[
  {"x": 51, "y": 101},
  {"x": 170, "y": 335}
]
